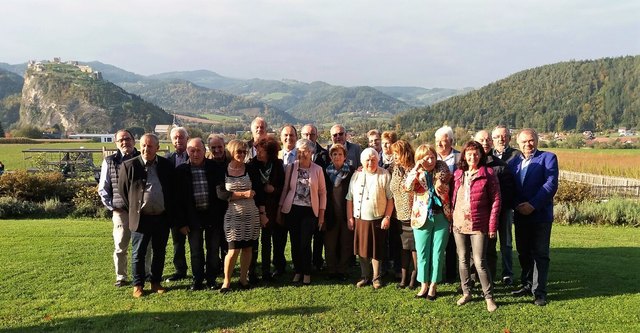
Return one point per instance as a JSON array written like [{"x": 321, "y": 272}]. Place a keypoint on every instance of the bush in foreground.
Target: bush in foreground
[{"x": 616, "y": 211}]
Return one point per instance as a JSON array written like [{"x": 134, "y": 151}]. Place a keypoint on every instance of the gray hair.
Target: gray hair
[
  {"x": 368, "y": 152},
  {"x": 444, "y": 130},
  {"x": 179, "y": 129},
  {"x": 306, "y": 143}
]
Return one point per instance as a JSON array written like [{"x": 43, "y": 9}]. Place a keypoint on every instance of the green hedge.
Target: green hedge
[{"x": 616, "y": 211}]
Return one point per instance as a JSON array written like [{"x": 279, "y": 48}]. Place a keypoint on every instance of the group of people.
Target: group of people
[{"x": 429, "y": 214}]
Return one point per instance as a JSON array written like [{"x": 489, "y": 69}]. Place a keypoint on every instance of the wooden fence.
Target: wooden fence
[{"x": 605, "y": 186}]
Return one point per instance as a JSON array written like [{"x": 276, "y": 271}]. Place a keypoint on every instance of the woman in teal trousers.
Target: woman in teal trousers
[{"x": 430, "y": 182}]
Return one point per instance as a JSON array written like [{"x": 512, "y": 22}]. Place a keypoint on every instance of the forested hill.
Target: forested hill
[{"x": 575, "y": 95}]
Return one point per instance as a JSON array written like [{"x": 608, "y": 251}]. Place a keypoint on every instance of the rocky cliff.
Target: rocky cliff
[{"x": 77, "y": 98}]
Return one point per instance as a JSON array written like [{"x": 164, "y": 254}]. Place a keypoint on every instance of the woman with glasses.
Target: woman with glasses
[
  {"x": 303, "y": 202},
  {"x": 245, "y": 214}
]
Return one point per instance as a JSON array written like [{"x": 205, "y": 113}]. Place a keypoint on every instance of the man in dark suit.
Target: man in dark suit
[
  {"x": 339, "y": 135},
  {"x": 536, "y": 179},
  {"x": 501, "y": 137},
  {"x": 145, "y": 184},
  {"x": 179, "y": 156},
  {"x": 321, "y": 155},
  {"x": 505, "y": 177},
  {"x": 198, "y": 210}
]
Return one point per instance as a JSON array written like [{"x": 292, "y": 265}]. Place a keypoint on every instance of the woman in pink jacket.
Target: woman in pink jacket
[
  {"x": 303, "y": 202},
  {"x": 476, "y": 211}
]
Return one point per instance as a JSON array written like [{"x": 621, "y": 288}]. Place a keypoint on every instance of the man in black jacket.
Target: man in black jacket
[
  {"x": 198, "y": 208},
  {"x": 145, "y": 184}
]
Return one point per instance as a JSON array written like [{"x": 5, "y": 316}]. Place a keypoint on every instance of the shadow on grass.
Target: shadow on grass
[
  {"x": 179, "y": 321},
  {"x": 577, "y": 273}
]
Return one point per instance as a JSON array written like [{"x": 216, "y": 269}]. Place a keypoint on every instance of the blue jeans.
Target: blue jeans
[
  {"x": 179, "y": 257},
  {"x": 201, "y": 238},
  {"x": 533, "y": 240},
  {"x": 154, "y": 230}
]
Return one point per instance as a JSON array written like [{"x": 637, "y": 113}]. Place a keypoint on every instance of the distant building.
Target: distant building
[
  {"x": 162, "y": 129},
  {"x": 104, "y": 138}
]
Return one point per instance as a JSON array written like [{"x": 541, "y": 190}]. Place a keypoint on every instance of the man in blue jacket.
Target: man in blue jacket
[{"x": 536, "y": 180}]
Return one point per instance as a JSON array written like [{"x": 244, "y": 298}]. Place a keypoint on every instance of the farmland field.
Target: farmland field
[{"x": 608, "y": 162}]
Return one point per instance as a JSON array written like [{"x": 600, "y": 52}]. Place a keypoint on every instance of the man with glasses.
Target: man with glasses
[
  {"x": 111, "y": 198},
  {"x": 321, "y": 155},
  {"x": 339, "y": 135},
  {"x": 501, "y": 137}
]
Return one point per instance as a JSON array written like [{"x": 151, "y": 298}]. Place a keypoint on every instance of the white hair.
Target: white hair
[
  {"x": 179, "y": 129},
  {"x": 444, "y": 130},
  {"x": 308, "y": 144},
  {"x": 368, "y": 152}
]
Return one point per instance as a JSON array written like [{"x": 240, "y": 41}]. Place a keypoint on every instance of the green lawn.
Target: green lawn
[{"x": 57, "y": 275}]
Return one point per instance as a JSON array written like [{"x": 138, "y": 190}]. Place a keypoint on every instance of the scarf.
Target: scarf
[
  {"x": 265, "y": 174},
  {"x": 433, "y": 199},
  {"x": 336, "y": 176}
]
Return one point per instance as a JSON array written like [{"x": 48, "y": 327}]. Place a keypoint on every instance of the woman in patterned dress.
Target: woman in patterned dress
[
  {"x": 245, "y": 214},
  {"x": 402, "y": 153}
]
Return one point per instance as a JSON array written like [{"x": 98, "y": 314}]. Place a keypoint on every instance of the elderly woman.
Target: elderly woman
[
  {"x": 303, "y": 201},
  {"x": 245, "y": 213},
  {"x": 430, "y": 182},
  {"x": 338, "y": 239},
  {"x": 369, "y": 208},
  {"x": 403, "y": 201},
  {"x": 271, "y": 172},
  {"x": 476, "y": 212}
]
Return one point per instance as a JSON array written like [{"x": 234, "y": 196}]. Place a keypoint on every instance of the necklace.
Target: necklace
[{"x": 235, "y": 169}]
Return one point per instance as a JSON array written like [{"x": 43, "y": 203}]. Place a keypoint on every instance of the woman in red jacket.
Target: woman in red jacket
[{"x": 476, "y": 211}]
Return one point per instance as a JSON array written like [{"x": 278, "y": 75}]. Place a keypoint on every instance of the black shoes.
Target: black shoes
[
  {"x": 176, "y": 277},
  {"x": 507, "y": 281},
  {"x": 540, "y": 301},
  {"x": 524, "y": 291},
  {"x": 196, "y": 286},
  {"x": 121, "y": 283}
]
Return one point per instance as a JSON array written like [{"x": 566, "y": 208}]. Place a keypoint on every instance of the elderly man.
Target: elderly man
[
  {"x": 339, "y": 135},
  {"x": 288, "y": 138},
  {"x": 501, "y": 137},
  {"x": 111, "y": 198},
  {"x": 505, "y": 177},
  {"x": 444, "y": 148},
  {"x": 198, "y": 210},
  {"x": 145, "y": 185},
  {"x": 179, "y": 137},
  {"x": 321, "y": 155},
  {"x": 536, "y": 179},
  {"x": 216, "y": 152},
  {"x": 258, "y": 131}
]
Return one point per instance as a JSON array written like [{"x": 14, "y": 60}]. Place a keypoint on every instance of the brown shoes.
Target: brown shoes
[
  {"x": 464, "y": 300},
  {"x": 137, "y": 291},
  {"x": 157, "y": 287},
  {"x": 491, "y": 305}
]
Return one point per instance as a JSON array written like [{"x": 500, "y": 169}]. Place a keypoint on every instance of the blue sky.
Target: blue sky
[{"x": 452, "y": 44}]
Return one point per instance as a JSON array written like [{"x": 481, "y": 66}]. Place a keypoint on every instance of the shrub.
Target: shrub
[
  {"x": 17, "y": 140},
  {"x": 617, "y": 211},
  {"x": 55, "y": 208},
  {"x": 13, "y": 208},
  {"x": 87, "y": 202},
  {"x": 573, "y": 192},
  {"x": 36, "y": 186}
]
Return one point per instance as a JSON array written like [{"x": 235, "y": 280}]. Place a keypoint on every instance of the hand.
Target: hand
[
  {"x": 250, "y": 194},
  {"x": 320, "y": 224},
  {"x": 268, "y": 188},
  {"x": 264, "y": 220},
  {"x": 184, "y": 230},
  {"x": 492, "y": 235},
  {"x": 279, "y": 219},
  {"x": 351, "y": 223},
  {"x": 525, "y": 208},
  {"x": 386, "y": 223}
]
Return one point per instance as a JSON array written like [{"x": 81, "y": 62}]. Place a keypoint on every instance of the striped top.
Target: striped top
[{"x": 242, "y": 219}]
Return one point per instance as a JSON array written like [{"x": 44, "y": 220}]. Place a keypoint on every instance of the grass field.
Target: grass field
[
  {"x": 58, "y": 275},
  {"x": 609, "y": 162}
]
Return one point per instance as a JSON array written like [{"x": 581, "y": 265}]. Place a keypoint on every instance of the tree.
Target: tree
[{"x": 1, "y": 130}]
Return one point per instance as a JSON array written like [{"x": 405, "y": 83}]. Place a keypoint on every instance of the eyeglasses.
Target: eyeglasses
[
  {"x": 241, "y": 152},
  {"x": 337, "y": 134}
]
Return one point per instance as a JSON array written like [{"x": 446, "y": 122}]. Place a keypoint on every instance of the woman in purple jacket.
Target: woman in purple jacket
[{"x": 476, "y": 211}]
